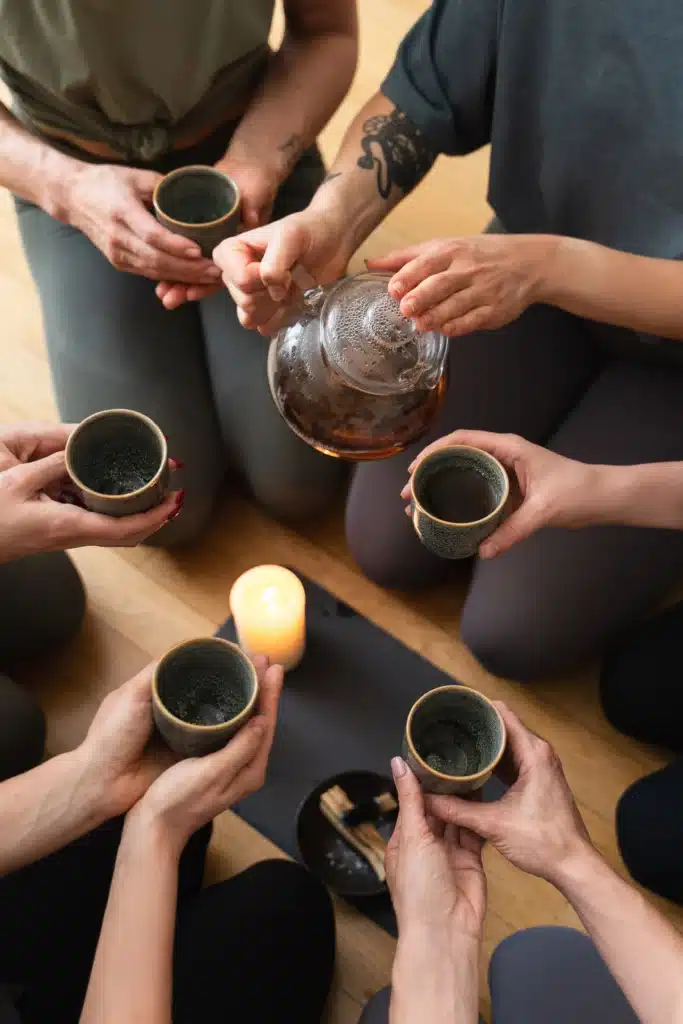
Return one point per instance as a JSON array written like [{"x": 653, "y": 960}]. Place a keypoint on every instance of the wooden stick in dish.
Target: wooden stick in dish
[{"x": 365, "y": 839}]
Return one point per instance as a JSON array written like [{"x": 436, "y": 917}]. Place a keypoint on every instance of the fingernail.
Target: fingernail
[
  {"x": 193, "y": 252},
  {"x": 213, "y": 272},
  {"x": 176, "y": 464},
  {"x": 277, "y": 294},
  {"x": 408, "y": 511},
  {"x": 407, "y": 307},
  {"x": 398, "y": 767},
  {"x": 178, "y": 507}
]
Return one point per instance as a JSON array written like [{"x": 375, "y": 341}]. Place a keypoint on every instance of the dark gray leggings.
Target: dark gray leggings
[
  {"x": 195, "y": 370},
  {"x": 42, "y": 603},
  {"x": 589, "y": 394},
  {"x": 543, "y": 976}
]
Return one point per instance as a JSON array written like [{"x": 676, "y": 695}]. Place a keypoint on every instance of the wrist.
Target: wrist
[
  {"x": 57, "y": 174},
  {"x": 435, "y": 976},
  {"x": 89, "y": 789},
  {"x": 145, "y": 826},
  {"x": 569, "y": 874}
]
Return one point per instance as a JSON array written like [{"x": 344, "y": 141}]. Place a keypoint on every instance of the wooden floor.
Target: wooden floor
[{"x": 144, "y": 601}]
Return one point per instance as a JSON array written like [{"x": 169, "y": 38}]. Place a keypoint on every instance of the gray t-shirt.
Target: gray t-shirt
[
  {"x": 132, "y": 73},
  {"x": 582, "y": 101}
]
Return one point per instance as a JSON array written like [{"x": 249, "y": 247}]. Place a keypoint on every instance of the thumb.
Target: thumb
[
  {"x": 410, "y": 798},
  {"x": 286, "y": 247},
  {"x": 144, "y": 183},
  {"x": 478, "y": 817},
  {"x": 33, "y": 477},
  {"x": 520, "y": 525}
]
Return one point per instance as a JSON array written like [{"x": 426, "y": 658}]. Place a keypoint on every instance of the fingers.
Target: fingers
[
  {"x": 76, "y": 527},
  {"x": 466, "y": 814},
  {"x": 29, "y": 441},
  {"x": 288, "y": 246},
  {"x": 226, "y": 764},
  {"x": 520, "y": 740},
  {"x": 438, "y": 299},
  {"x": 427, "y": 263},
  {"x": 141, "y": 684},
  {"x": 507, "y": 448},
  {"x": 33, "y": 477},
  {"x": 520, "y": 525},
  {"x": 395, "y": 259},
  {"x": 145, "y": 226},
  {"x": 145, "y": 258},
  {"x": 239, "y": 259},
  {"x": 410, "y": 799},
  {"x": 172, "y": 296}
]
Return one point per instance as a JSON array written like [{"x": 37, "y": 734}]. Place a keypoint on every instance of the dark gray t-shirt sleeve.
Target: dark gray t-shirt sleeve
[{"x": 443, "y": 77}]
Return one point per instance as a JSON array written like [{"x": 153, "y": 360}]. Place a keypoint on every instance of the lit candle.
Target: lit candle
[{"x": 268, "y": 605}]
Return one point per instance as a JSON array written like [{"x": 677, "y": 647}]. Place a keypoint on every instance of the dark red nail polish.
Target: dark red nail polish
[
  {"x": 178, "y": 506},
  {"x": 177, "y": 463}
]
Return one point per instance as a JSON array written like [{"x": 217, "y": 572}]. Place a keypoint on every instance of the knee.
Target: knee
[
  {"x": 511, "y": 650},
  {"x": 22, "y": 730},
  {"x": 649, "y": 841}
]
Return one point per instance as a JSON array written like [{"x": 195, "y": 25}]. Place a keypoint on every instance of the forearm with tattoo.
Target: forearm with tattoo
[{"x": 383, "y": 157}]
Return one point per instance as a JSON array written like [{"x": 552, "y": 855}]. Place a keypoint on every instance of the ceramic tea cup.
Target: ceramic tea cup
[
  {"x": 118, "y": 460},
  {"x": 199, "y": 203},
  {"x": 203, "y": 691},
  {"x": 454, "y": 739},
  {"x": 457, "y": 499}
]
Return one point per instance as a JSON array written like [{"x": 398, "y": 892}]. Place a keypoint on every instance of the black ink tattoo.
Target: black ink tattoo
[{"x": 397, "y": 151}]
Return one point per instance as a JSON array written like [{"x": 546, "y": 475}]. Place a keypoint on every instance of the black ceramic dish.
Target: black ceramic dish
[
  {"x": 325, "y": 852},
  {"x": 118, "y": 460},
  {"x": 203, "y": 691}
]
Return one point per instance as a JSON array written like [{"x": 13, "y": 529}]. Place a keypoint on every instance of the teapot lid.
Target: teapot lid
[{"x": 369, "y": 341}]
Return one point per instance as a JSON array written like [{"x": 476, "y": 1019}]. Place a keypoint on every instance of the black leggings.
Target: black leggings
[
  {"x": 258, "y": 947},
  {"x": 642, "y": 696}
]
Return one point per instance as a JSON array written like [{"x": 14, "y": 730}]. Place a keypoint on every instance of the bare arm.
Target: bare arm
[
  {"x": 435, "y": 980},
  {"x": 642, "y": 950},
  {"x": 306, "y": 81},
  {"x": 30, "y": 167},
  {"x": 46, "y": 808},
  {"x": 383, "y": 157},
  {"x": 131, "y": 978},
  {"x": 646, "y": 495},
  {"x": 637, "y": 292}
]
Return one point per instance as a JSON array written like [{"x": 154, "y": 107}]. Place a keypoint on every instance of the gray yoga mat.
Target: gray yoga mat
[{"x": 344, "y": 708}]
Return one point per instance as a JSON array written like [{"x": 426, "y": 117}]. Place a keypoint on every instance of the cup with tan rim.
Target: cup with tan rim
[
  {"x": 118, "y": 461},
  {"x": 203, "y": 691},
  {"x": 454, "y": 739},
  {"x": 199, "y": 203},
  {"x": 457, "y": 499}
]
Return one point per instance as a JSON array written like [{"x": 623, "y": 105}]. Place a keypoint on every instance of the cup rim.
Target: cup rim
[
  {"x": 491, "y": 767},
  {"x": 454, "y": 448},
  {"x": 177, "y": 173},
  {"x": 147, "y": 420},
  {"x": 192, "y": 726}
]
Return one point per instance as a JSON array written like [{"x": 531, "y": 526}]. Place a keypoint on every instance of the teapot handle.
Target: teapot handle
[{"x": 313, "y": 293}]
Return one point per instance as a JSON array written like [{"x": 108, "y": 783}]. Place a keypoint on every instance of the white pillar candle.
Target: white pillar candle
[{"x": 268, "y": 605}]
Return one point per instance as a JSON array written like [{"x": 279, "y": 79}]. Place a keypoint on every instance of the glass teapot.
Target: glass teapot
[{"x": 351, "y": 375}]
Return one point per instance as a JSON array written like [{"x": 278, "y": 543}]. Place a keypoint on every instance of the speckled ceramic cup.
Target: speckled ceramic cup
[
  {"x": 457, "y": 499},
  {"x": 203, "y": 691},
  {"x": 199, "y": 203},
  {"x": 118, "y": 460},
  {"x": 454, "y": 739}
]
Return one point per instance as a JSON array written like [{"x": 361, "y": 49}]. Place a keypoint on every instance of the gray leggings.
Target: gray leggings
[
  {"x": 590, "y": 394},
  {"x": 42, "y": 603},
  {"x": 543, "y": 976},
  {"x": 195, "y": 370}
]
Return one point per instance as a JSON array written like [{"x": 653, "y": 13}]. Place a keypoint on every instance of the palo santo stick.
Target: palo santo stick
[{"x": 365, "y": 839}]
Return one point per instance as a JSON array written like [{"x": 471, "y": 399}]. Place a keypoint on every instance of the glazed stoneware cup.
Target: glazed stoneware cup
[
  {"x": 199, "y": 203},
  {"x": 453, "y": 741},
  {"x": 203, "y": 691},
  {"x": 457, "y": 499},
  {"x": 118, "y": 460}
]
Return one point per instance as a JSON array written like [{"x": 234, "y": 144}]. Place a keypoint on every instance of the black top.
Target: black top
[{"x": 582, "y": 101}]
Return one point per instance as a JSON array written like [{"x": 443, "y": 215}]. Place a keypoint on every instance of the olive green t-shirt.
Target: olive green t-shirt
[{"x": 131, "y": 73}]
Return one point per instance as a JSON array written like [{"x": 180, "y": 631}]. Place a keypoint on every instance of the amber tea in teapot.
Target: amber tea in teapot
[{"x": 351, "y": 376}]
